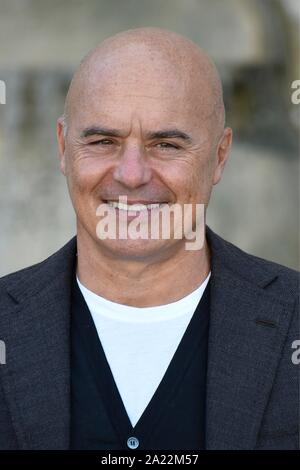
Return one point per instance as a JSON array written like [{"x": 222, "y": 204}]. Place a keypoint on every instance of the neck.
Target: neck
[{"x": 141, "y": 283}]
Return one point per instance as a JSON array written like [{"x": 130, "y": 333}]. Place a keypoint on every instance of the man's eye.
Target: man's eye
[
  {"x": 101, "y": 142},
  {"x": 166, "y": 145}
]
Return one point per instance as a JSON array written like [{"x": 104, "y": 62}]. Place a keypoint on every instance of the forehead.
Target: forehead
[{"x": 152, "y": 89}]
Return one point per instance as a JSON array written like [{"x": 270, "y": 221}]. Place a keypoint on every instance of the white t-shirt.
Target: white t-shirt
[{"x": 139, "y": 343}]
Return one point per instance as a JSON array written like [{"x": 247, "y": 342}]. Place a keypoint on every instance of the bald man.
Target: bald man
[{"x": 127, "y": 339}]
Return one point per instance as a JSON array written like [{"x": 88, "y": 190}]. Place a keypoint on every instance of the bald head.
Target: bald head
[
  {"x": 149, "y": 61},
  {"x": 145, "y": 120}
]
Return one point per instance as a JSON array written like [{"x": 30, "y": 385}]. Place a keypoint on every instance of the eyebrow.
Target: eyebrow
[
  {"x": 100, "y": 131},
  {"x": 163, "y": 134},
  {"x": 170, "y": 134}
]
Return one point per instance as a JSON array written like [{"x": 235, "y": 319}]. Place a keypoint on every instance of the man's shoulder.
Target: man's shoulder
[
  {"x": 259, "y": 261},
  {"x": 23, "y": 272},
  {"x": 285, "y": 280},
  {"x": 48, "y": 267}
]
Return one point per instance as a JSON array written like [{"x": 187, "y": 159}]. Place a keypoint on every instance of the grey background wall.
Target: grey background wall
[{"x": 255, "y": 44}]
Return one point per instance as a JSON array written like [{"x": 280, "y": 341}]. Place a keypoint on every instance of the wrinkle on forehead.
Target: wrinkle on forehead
[{"x": 146, "y": 58}]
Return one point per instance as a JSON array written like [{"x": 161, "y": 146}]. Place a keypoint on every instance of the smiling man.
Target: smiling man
[
  {"x": 144, "y": 118},
  {"x": 138, "y": 342}
]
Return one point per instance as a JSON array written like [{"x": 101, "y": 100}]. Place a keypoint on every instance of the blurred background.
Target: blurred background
[{"x": 255, "y": 44}]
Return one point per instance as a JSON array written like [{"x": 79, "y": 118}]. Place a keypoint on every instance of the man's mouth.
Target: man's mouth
[{"x": 136, "y": 207}]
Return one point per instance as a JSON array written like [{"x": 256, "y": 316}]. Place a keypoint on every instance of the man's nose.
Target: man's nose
[{"x": 132, "y": 170}]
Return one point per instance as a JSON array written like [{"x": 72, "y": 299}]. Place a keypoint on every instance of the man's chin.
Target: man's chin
[{"x": 137, "y": 249}]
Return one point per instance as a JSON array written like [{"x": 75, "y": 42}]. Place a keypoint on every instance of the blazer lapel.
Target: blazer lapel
[
  {"x": 36, "y": 376},
  {"x": 248, "y": 327}
]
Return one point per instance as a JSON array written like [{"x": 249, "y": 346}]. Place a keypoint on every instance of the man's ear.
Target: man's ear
[
  {"x": 60, "y": 131},
  {"x": 223, "y": 150}
]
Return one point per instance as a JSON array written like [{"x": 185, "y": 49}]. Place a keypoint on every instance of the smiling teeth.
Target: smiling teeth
[{"x": 133, "y": 207}]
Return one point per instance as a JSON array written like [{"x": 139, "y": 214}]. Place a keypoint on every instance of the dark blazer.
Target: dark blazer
[{"x": 252, "y": 383}]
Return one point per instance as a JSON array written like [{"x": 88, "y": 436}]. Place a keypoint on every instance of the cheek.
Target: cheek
[
  {"x": 191, "y": 181},
  {"x": 84, "y": 183},
  {"x": 85, "y": 174},
  {"x": 202, "y": 174}
]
